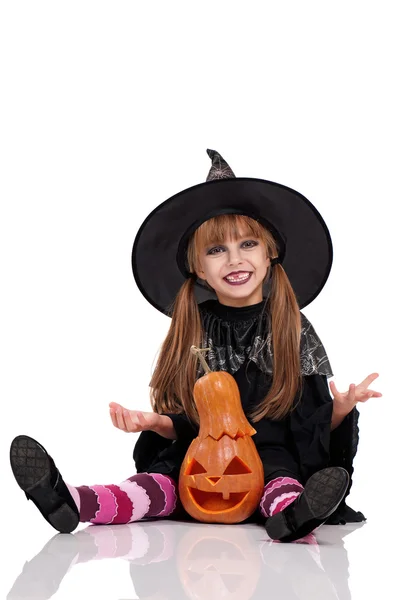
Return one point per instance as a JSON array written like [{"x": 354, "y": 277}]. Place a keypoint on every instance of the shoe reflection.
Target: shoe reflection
[{"x": 171, "y": 560}]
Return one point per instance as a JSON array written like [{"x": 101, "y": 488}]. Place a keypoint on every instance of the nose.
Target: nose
[
  {"x": 234, "y": 256},
  {"x": 213, "y": 480}
]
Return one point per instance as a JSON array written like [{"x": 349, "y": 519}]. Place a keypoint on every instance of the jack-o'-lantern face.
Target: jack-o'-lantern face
[{"x": 219, "y": 479}]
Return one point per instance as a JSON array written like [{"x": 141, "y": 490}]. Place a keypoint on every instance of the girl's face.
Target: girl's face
[{"x": 235, "y": 270}]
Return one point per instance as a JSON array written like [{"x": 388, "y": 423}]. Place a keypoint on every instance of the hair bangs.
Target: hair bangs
[{"x": 223, "y": 227}]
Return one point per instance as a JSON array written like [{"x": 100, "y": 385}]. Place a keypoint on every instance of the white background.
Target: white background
[{"x": 106, "y": 110}]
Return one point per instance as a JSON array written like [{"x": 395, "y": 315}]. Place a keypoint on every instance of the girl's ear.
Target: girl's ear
[{"x": 199, "y": 272}]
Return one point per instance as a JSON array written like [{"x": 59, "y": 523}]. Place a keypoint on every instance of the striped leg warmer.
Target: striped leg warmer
[
  {"x": 140, "y": 496},
  {"x": 278, "y": 494}
]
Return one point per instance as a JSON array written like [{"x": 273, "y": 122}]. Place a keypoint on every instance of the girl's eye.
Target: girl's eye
[
  {"x": 213, "y": 250},
  {"x": 251, "y": 242},
  {"x": 246, "y": 244}
]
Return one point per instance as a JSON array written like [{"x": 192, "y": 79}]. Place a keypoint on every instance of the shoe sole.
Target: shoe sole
[
  {"x": 32, "y": 470},
  {"x": 322, "y": 505},
  {"x": 322, "y": 494}
]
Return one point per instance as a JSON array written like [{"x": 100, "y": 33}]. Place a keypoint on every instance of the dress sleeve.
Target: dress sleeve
[
  {"x": 150, "y": 445},
  {"x": 147, "y": 447},
  {"x": 186, "y": 431},
  {"x": 310, "y": 424},
  {"x": 319, "y": 447}
]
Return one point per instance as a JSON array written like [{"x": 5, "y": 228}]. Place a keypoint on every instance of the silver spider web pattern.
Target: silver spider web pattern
[{"x": 313, "y": 357}]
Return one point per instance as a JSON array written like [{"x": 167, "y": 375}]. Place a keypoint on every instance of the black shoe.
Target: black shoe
[
  {"x": 322, "y": 494},
  {"x": 42, "y": 483}
]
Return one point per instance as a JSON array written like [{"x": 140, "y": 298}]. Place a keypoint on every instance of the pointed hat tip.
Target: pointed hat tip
[{"x": 219, "y": 169}]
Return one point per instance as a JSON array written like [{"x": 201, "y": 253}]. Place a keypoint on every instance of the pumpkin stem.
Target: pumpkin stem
[{"x": 197, "y": 351}]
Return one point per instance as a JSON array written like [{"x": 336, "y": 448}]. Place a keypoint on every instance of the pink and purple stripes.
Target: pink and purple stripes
[
  {"x": 148, "y": 495},
  {"x": 141, "y": 496},
  {"x": 278, "y": 494}
]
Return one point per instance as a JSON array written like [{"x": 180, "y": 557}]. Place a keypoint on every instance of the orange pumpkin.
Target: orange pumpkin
[{"x": 222, "y": 477}]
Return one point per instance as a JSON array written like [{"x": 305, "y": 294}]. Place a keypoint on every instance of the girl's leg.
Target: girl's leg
[
  {"x": 278, "y": 494},
  {"x": 141, "y": 496},
  {"x": 293, "y": 512},
  {"x": 63, "y": 506}
]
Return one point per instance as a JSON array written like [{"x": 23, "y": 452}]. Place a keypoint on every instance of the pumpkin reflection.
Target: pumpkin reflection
[{"x": 218, "y": 563}]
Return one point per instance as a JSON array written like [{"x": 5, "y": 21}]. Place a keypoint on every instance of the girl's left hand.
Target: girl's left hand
[
  {"x": 133, "y": 421},
  {"x": 344, "y": 402}
]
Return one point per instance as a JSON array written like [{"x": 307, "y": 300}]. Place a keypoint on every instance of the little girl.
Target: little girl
[{"x": 232, "y": 261}]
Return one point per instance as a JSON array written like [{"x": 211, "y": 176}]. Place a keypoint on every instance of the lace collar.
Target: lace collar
[{"x": 237, "y": 334}]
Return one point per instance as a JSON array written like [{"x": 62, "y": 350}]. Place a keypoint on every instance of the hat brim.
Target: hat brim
[{"x": 308, "y": 250}]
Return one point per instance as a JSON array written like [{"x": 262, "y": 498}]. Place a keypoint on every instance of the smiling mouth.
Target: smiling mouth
[
  {"x": 239, "y": 279},
  {"x": 214, "y": 502}
]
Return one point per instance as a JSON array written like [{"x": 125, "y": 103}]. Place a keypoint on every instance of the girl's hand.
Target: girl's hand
[
  {"x": 133, "y": 421},
  {"x": 344, "y": 402}
]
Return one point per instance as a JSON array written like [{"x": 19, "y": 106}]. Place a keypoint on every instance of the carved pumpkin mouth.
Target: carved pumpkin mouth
[{"x": 214, "y": 502}]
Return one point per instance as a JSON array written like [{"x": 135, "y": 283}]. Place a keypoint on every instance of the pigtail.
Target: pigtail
[
  {"x": 174, "y": 376},
  {"x": 285, "y": 327}
]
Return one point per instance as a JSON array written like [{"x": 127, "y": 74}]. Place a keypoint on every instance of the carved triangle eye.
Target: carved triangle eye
[
  {"x": 195, "y": 468},
  {"x": 237, "y": 467}
]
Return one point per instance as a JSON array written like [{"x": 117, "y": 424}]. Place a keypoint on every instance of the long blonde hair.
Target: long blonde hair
[{"x": 175, "y": 372}]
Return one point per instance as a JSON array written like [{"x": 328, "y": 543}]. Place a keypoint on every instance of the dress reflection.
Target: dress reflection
[{"x": 172, "y": 560}]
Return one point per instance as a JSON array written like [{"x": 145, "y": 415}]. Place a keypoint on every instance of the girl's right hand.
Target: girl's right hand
[{"x": 133, "y": 421}]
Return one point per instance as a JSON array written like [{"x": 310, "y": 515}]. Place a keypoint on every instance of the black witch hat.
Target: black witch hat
[{"x": 159, "y": 257}]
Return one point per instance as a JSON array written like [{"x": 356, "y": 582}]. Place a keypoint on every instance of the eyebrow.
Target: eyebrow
[
  {"x": 213, "y": 244},
  {"x": 242, "y": 237}
]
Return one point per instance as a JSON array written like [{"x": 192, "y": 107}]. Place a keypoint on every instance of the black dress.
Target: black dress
[{"x": 296, "y": 446}]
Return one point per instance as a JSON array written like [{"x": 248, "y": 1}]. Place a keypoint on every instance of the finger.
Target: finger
[
  {"x": 334, "y": 390},
  {"x": 365, "y": 399},
  {"x": 131, "y": 421},
  {"x": 368, "y": 380},
  {"x": 126, "y": 418},
  {"x": 139, "y": 420},
  {"x": 113, "y": 417},
  {"x": 369, "y": 394},
  {"x": 120, "y": 420}
]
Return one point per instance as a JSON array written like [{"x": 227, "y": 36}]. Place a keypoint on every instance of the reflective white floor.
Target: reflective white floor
[{"x": 159, "y": 560}]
